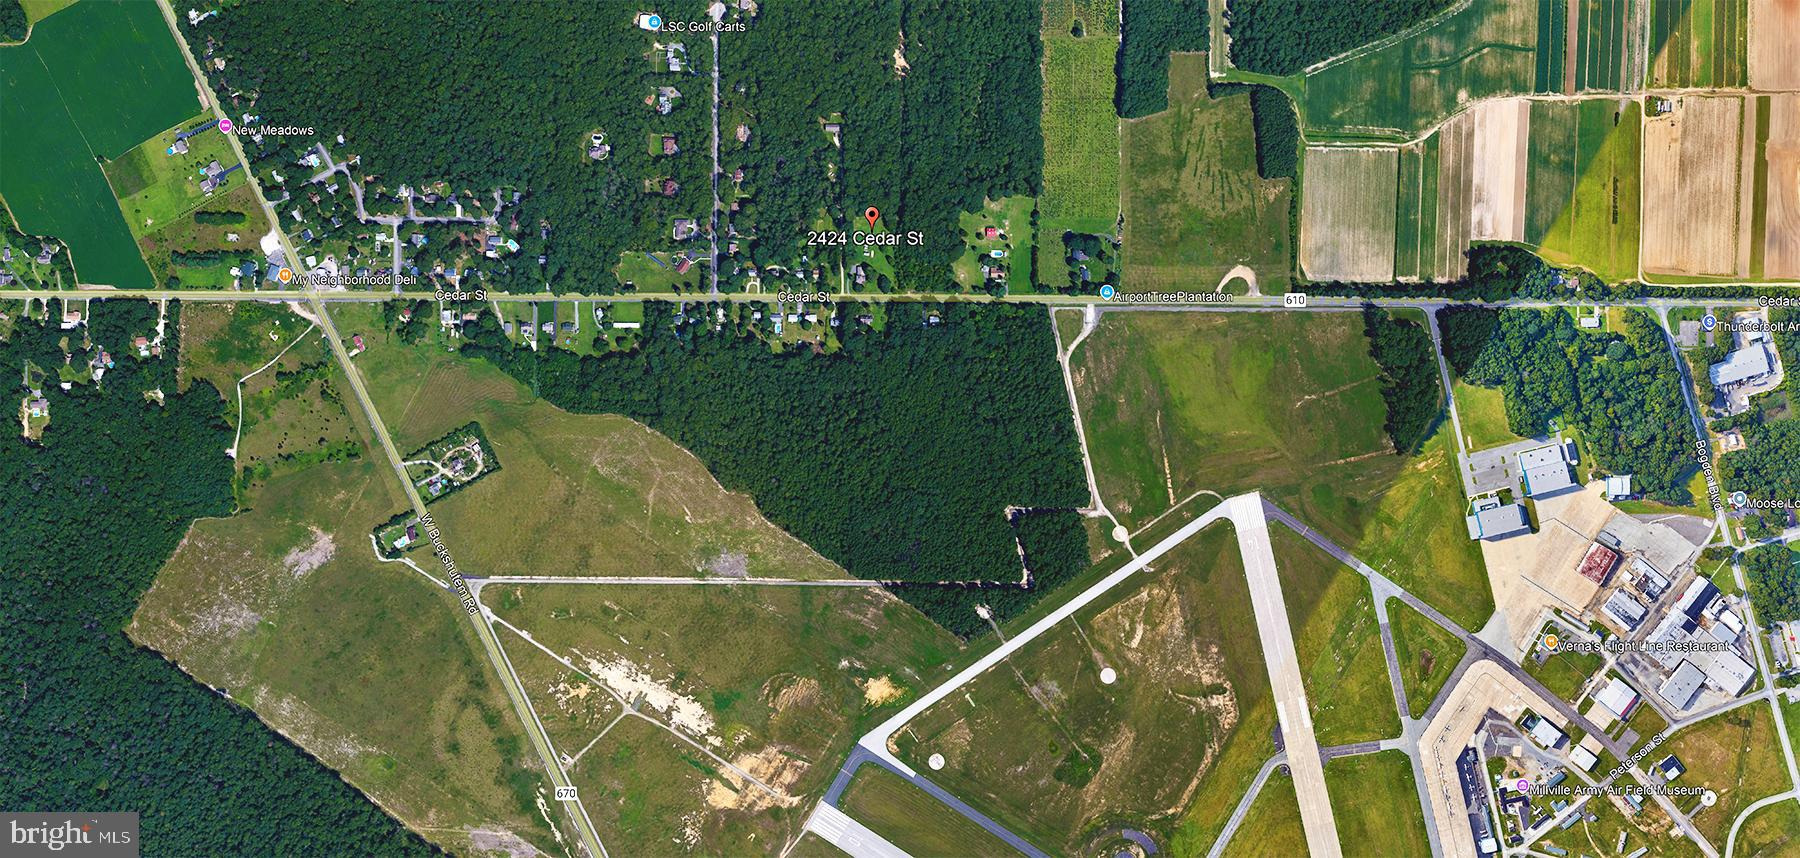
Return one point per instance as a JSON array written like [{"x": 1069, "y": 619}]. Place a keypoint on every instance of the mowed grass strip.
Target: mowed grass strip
[
  {"x": 914, "y": 821},
  {"x": 1599, "y": 229},
  {"x": 1338, "y": 642},
  {"x": 91, "y": 83},
  {"x": 1482, "y": 411},
  {"x": 1733, "y": 754},
  {"x": 1375, "y": 802},
  {"x": 1081, "y": 131},
  {"x": 1415, "y": 535},
  {"x": 1427, "y": 655},
  {"x": 1271, "y": 827},
  {"x": 1194, "y": 204}
]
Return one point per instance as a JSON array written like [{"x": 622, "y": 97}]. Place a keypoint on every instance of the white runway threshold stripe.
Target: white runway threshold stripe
[{"x": 849, "y": 835}]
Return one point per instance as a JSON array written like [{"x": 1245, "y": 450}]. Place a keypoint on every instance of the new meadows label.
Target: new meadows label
[{"x": 100, "y": 835}]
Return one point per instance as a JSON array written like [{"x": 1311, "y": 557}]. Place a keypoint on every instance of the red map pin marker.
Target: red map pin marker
[{"x": 873, "y": 214}]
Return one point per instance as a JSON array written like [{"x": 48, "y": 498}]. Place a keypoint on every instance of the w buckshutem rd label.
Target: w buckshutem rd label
[{"x": 75, "y": 835}]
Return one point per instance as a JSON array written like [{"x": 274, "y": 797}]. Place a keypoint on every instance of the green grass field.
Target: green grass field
[
  {"x": 1698, "y": 43},
  {"x": 1175, "y": 403},
  {"x": 1194, "y": 204},
  {"x": 647, "y": 275},
  {"x": 1271, "y": 828},
  {"x": 1731, "y": 755},
  {"x": 1178, "y": 402},
  {"x": 368, "y": 666},
  {"x": 91, "y": 83},
  {"x": 38, "y": 10},
  {"x": 1482, "y": 411},
  {"x": 1427, "y": 655},
  {"x": 156, "y": 188},
  {"x": 1564, "y": 672},
  {"x": 1771, "y": 832},
  {"x": 1598, "y": 228},
  {"x": 1042, "y": 745},
  {"x": 1338, "y": 642},
  {"x": 1376, "y": 804},
  {"x": 778, "y": 681},
  {"x": 1012, "y": 217},
  {"x": 811, "y": 845},
  {"x": 1405, "y": 87},
  {"x": 1416, "y": 536},
  {"x": 1081, "y": 132},
  {"x": 913, "y": 820}
]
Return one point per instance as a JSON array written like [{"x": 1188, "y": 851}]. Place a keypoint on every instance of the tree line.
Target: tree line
[
  {"x": 1410, "y": 383},
  {"x": 1281, "y": 37},
  {"x": 94, "y": 508},
  {"x": 881, "y": 455},
  {"x": 1622, "y": 392}
]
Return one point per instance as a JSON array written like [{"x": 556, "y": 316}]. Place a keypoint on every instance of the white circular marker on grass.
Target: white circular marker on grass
[
  {"x": 1120, "y": 534},
  {"x": 936, "y": 762},
  {"x": 1108, "y": 676},
  {"x": 1709, "y": 798}
]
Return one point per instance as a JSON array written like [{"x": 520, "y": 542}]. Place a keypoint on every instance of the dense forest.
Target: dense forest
[
  {"x": 1149, "y": 31},
  {"x": 1622, "y": 392},
  {"x": 1465, "y": 330},
  {"x": 1410, "y": 384},
  {"x": 897, "y": 456},
  {"x": 93, "y": 722},
  {"x": 1774, "y": 581},
  {"x": 1277, "y": 132},
  {"x": 1765, "y": 469},
  {"x": 13, "y": 24},
  {"x": 1786, "y": 336},
  {"x": 1281, "y": 37}
]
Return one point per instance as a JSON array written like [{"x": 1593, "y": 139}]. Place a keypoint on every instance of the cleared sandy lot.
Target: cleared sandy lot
[
  {"x": 1774, "y": 31},
  {"x": 1781, "y": 250},
  {"x": 1691, "y": 174},
  {"x": 1502, "y": 131},
  {"x": 1347, "y": 214}
]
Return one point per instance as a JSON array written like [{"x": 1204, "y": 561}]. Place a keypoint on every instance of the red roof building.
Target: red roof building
[{"x": 1597, "y": 563}]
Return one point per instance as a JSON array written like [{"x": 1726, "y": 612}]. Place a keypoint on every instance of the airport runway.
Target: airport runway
[{"x": 1284, "y": 678}]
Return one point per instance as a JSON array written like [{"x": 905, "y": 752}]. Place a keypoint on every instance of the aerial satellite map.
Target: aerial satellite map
[{"x": 884, "y": 428}]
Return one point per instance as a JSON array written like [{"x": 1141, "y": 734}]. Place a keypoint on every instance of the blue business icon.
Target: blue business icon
[
  {"x": 1709, "y": 321},
  {"x": 1107, "y": 292}
]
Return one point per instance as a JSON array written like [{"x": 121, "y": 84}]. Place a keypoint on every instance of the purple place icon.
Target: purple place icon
[
  {"x": 1523, "y": 785},
  {"x": 225, "y": 126}
]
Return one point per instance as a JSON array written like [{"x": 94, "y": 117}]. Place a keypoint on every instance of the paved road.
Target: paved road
[
  {"x": 1291, "y": 709},
  {"x": 1731, "y": 838},
  {"x": 876, "y": 740},
  {"x": 1238, "y": 303},
  {"x": 1437, "y": 343},
  {"x": 849, "y": 835},
  {"x": 1481, "y": 649},
  {"x": 584, "y": 826},
  {"x": 478, "y": 581},
  {"x": 1704, "y": 442},
  {"x": 860, "y": 755},
  {"x": 1243, "y": 806}
]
